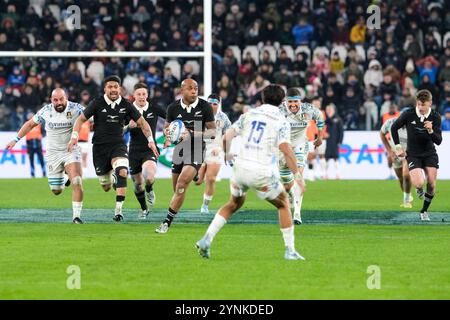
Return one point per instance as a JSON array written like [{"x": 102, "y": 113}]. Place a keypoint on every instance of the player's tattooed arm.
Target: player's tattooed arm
[
  {"x": 147, "y": 131},
  {"x": 27, "y": 127}
]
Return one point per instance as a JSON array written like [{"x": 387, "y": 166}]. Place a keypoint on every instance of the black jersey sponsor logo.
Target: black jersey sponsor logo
[
  {"x": 122, "y": 110},
  {"x": 104, "y": 110},
  {"x": 112, "y": 118}
]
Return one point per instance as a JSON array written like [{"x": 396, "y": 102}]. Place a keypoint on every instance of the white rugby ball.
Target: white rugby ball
[{"x": 176, "y": 128}]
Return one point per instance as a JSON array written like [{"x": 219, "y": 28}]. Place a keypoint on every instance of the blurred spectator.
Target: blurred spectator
[
  {"x": 373, "y": 75},
  {"x": 58, "y": 44},
  {"x": 358, "y": 31},
  {"x": 340, "y": 34},
  {"x": 253, "y": 33},
  {"x": 391, "y": 113},
  {"x": 428, "y": 66},
  {"x": 238, "y": 107},
  {"x": 152, "y": 78},
  {"x": 17, "y": 79},
  {"x": 302, "y": 32},
  {"x": 336, "y": 63},
  {"x": 34, "y": 147},
  {"x": 334, "y": 136},
  {"x": 428, "y": 85},
  {"x": 5, "y": 124},
  {"x": 412, "y": 47},
  {"x": 445, "y": 121},
  {"x": 406, "y": 100},
  {"x": 282, "y": 77},
  {"x": 256, "y": 86},
  {"x": 29, "y": 99},
  {"x": 349, "y": 109},
  {"x": 18, "y": 118}
]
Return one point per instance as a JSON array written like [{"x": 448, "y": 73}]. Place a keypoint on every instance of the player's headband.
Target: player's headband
[
  {"x": 212, "y": 100},
  {"x": 293, "y": 98}
]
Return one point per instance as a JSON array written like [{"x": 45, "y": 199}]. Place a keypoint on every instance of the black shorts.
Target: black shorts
[
  {"x": 138, "y": 157},
  {"x": 104, "y": 153},
  {"x": 422, "y": 162},
  {"x": 184, "y": 155}
]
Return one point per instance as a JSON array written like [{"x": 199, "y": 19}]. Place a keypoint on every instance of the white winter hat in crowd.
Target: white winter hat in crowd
[
  {"x": 409, "y": 66},
  {"x": 373, "y": 63}
]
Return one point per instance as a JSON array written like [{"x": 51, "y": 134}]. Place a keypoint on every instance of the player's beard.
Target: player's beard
[{"x": 60, "y": 108}]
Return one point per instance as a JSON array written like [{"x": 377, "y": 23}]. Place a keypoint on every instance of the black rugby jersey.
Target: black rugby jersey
[
  {"x": 199, "y": 112},
  {"x": 420, "y": 143},
  {"x": 150, "y": 113},
  {"x": 109, "y": 119}
]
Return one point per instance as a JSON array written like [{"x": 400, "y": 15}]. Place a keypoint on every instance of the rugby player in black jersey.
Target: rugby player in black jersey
[
  {"x": 110, "y": 153},
  {"x": 188, "y": 155},
  {"x": 423, "y": 126},
  {"x": 142, "y": 160}
]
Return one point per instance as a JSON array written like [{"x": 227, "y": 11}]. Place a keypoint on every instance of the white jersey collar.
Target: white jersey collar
[
  {"x": 188, "y": 108},
  {"x": 111, "y": 103},
  {"x": 141, "y": 109},
  {"x": 423, "y": 117}
]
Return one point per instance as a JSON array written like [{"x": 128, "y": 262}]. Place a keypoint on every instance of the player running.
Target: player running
[
  {"x": 110, "y": 153},
  {"x": 214, "y": 155},
  {"x": 399, "y": 164},
  {"x": 298, "y": 115},
  {"x": 188, "y": 155},
  {"x": 423, "y": 126},
  {"x": 59, "y": 117},
  {"x": 265, "y": 132},
  {"x": 142, "y": 160}
]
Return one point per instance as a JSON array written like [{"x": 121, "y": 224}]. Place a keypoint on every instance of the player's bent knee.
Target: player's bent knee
[
  {"x": 57, "y": 191},
  {"x": 77, "y": 181},
  {"x": 211, "y": 179},
  {"x": 106, "y": 187},
  {"x": 121, "y": 178},
  {"x": 138, "y": 187}
]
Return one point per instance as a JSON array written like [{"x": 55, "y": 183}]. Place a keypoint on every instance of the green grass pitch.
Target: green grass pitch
[{"x": 349, "y": 226}]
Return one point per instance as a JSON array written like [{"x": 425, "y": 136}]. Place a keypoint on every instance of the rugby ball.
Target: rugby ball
[{"x": 176, "y": 128}]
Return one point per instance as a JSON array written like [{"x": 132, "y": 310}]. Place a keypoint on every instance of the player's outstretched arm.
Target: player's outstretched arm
[
  {"x": 76, "y": 131},
  {"x": 147, "y": 131},
  {"x": 229, "y": 135},
  {"x": 27, "y": 127}
]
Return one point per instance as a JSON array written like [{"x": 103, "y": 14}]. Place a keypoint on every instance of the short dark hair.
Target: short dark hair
[
  {"x": 424, "y": 96},
  {"x": 140, "y": 85},
  {"x": 214, "y": 96},
  {"x": 112, "y": 78},
  {"x": 273, "y": 94},
  {"x": 291, "y": 92}
]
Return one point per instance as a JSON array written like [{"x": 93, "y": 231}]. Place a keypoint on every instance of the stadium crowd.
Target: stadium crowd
[{"x": 323, "y": 47}]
